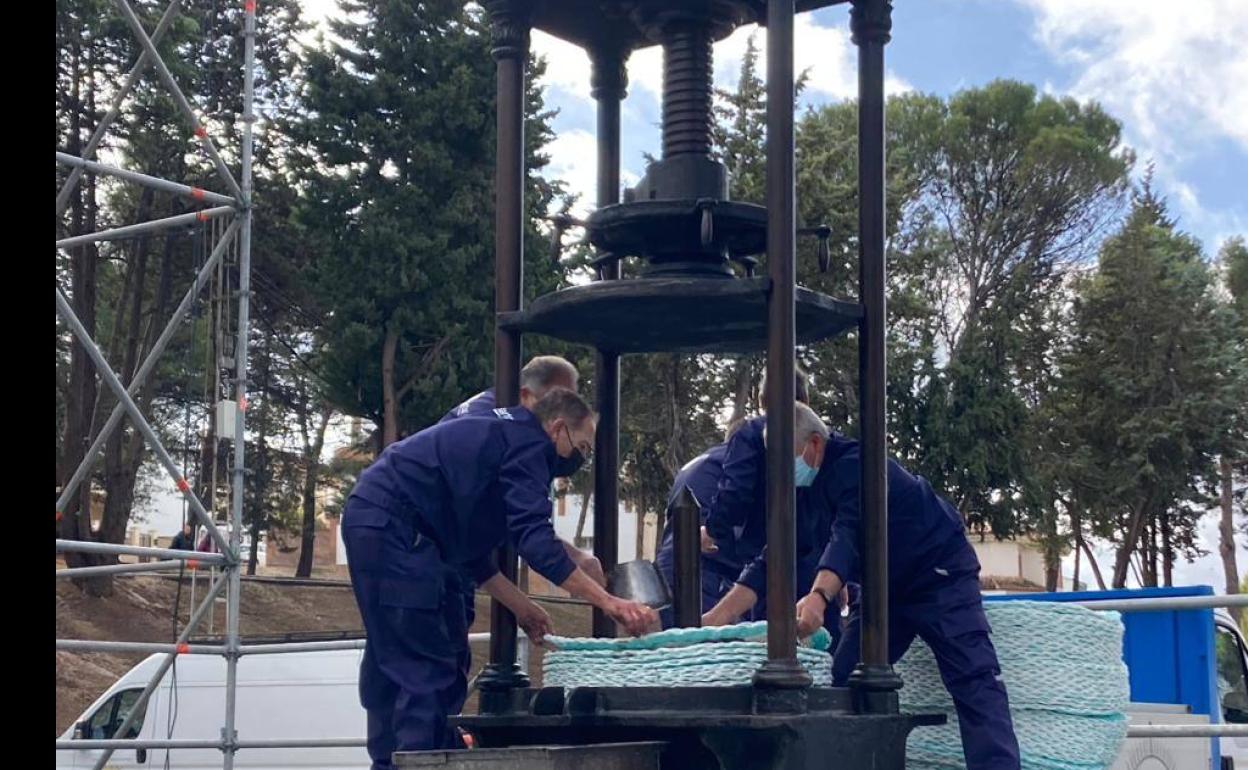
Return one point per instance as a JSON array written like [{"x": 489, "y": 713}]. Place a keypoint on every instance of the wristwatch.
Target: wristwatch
[{"x": 827, "y": 600}]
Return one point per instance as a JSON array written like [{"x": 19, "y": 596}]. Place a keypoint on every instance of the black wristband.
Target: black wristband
[{"x": 827, "y": 600}]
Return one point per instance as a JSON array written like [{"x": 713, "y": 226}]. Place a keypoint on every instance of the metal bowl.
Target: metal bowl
[{"x": 640, "y": 581}]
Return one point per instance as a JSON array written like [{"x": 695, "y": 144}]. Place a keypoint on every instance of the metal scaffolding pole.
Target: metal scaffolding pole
[
  {"x": 136, "y": 416},
  {"x": 93, "y": 645},
  {"x": 154, "y": 182},
  {"x": 333, "y": 644},
  {"x": 1162, "y": 603},
  {"x": 229, "y": 734},
  {"x": 149, "y": 363},
  {"x": 114, "y": 109},
  {"x": 155, "y": 225},
  {"x": 209, "y": 743},
  {"x": 113, "y": 549},
  {"x": 239, "y": 231},
  {"x": 179, "y": 98},
  {"x": 125, "y": 569}
]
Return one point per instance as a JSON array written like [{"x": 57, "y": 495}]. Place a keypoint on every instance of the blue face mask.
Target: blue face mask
[{"x": 803, "y": 474}]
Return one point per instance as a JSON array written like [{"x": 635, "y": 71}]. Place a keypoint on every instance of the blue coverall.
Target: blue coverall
[
  {"x": 736, "y": 516},
  {"x": 481, "y": 404},
  {"x": 432, "y": 508},
  {"x": 701, "y": 475},
  {"x": 933, "y": 594}
]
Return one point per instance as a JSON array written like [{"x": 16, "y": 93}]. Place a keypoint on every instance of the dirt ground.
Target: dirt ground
[{"x": 141, "y": 610}]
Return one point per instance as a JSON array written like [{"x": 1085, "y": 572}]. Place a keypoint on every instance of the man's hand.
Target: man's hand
[
  {"x": 635, "y": 617},
  {"x": 810, "y": 614},
  {"x": 535, "y": 622},
  {"x": 708, "y": 545}
]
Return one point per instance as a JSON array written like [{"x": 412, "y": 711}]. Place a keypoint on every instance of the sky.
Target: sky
[{"x": 1176, "y": 76}]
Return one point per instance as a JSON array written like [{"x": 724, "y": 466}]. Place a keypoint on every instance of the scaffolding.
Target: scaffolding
[{"x": 235, "y": 208}]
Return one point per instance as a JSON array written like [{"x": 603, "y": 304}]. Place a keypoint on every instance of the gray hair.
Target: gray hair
[
  {"x": 541, "y": 372},
  {"x": 805, "y": 424}
]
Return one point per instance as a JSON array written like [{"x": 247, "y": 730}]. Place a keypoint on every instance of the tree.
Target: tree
[
  {"x": 1018, "y": 185},
  {"x": 1147, "y": 378},
  {"x": 1231, "y": 464},
  {"x": 398, "y": 147}
]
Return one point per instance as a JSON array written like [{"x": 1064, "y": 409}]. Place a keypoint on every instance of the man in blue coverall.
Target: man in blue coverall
[
  {"x": 933, "y": 586},
  {"x": 537, "y": 377},
  {"x": 433, "y": 507},
  {"x": 701, "y": 476}
]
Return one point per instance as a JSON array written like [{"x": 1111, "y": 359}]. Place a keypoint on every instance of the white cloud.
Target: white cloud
[{"x": 1175, "y": 74}]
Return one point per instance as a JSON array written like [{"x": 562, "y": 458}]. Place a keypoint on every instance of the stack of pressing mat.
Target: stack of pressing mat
[
  {"x": 1062, "y": 667},
  {"x": 679, "y": 657}
]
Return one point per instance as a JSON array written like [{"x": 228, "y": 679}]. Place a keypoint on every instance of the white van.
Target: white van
[
  {"x": 285, "y": 695},
  {"x": 1232, "y": 673}
]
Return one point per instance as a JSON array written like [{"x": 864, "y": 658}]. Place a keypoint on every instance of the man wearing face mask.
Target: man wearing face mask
[
  {"x": 736, "y": 514},
  {"x": 537, "y": 377},
  {"x": 433, "y": 507},
  {"x": 933, "y": 586}
]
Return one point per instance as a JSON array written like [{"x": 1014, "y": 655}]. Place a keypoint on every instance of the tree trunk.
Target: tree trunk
[
  {"x": 128, "y": 328},
  {"x": 579, "y": 540},
  {"x": 1096, "y": 568},
  {"x": 1226, "y": 546},
  {"x": 311, "y": 475},
  {"x": 1131, "y": 541},
  {"x": 1075, "y": 578},
  {"x": 390, "y": 407},
  {"x": 1167, "y": 551}
]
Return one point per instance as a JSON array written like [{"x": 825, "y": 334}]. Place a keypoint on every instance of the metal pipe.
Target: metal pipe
[
  {"x": 685, "y": 518},
  {"x": 608, "y": 84},
  {"x": 229, "y": 734},
  {"x": 1158, "y": 604},
  {"x": 781, "y": 671},
  {"x": 180, "y": 99},
  {"x": 114, "y": 109},
  {"x": 333, "y": 644},
  {"x": 154, "y": 182},
  {"x": 140, "y": 705},
  {"x": 1187, "y": 731},
  {"x": 114, "y": 744},
  {"x": 149, "y": 364},
  {"x": 136, "y": 416},
  {"x": 90, "y": 645},
  {"x": 120, "y": 569},
  {"x": 874, "y": 679},
  {"x": 511, "y": 49},
  {"x": 303, "y": 743},
  {"x": 113, "y": 549},
  {"x": 155, "y": 225}
]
